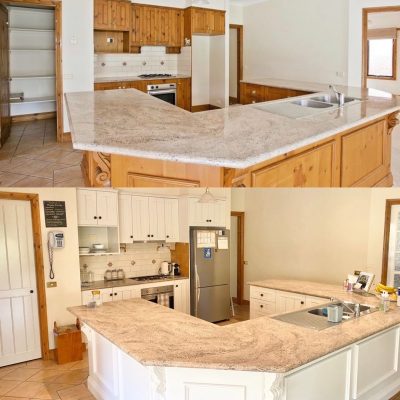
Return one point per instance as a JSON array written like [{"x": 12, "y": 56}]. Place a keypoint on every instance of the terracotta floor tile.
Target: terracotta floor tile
[
  {"x": 31, "y": 390},
  {"x": 7, "y": 179},
  {"x": 79, "y": 392},
  {"x": 48, "y": 364},
  {"x": 44, "y": 375},
  {"x": 6, "y": 386},
  {"x": 14, "y": 398},
  {"x": 19, "y": 374},
  {"x": 6, "y": 155},
  {"x": 73, "y": 377},
  {"x": 84, "y": 364},
  {"x": 33, "y": 181},
  {"x": 55, "y": 155},
  {"x": 67, "y": 174}
]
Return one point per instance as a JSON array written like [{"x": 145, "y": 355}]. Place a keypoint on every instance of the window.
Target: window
[{"x": 381, "y": 58}]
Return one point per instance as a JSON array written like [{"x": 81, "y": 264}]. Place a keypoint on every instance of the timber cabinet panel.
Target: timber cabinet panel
[
  {"x": 112, "y": 15},
  {"x": 204, "y": 21},
  {"x": 119, "y": 43},
  {"x": 314, "y": 168},
  {"x": 156, "y": 26},
  {"x": 364, "y": 153},
  {"x": 252, "y": 93},
  {"x": 184, "y": 94}
]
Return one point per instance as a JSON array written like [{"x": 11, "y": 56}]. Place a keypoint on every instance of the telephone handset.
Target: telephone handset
[{"x": 55, "y": 240}]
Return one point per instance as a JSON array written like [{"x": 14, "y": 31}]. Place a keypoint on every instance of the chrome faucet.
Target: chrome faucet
[
  {"x": 357, "y": 310},
  {"x": 339, "y": 95}
]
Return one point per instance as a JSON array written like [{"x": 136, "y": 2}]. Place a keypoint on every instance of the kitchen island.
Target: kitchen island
[
  {"x": 141, "y": 350},
  {"x": 131, "y": 139}
]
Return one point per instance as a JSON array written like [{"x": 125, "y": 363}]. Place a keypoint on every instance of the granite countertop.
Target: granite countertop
[
  {"x": 131, "y": 123},
  {"x": 127, "y": 282},
  {"x": 111, "y": 79},
  {"x": 290, "y": 84},
  {"x": 159, "y": 336}
]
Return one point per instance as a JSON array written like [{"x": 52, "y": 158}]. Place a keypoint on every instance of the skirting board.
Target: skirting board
[
  {"x": 204, "y": 107},
  {"x": 33, "y": 117}
]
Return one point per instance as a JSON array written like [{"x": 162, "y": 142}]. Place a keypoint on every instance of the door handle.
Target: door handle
[{"x": 31, "y": 291}]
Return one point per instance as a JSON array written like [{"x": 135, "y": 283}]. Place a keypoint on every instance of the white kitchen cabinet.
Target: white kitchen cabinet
[
  {"x": 181, "y": 296},
  {"x": 207, "y": 214},
  {"x": 156, "y": 218},
  {"x": 171, "y": 220},
  {"x": 140, "y": 218},
  {"x": 126, "y": 293},
  {"x": 125, "y": 218},
  {"x": 286, "y": 302},
  {"x": 97, "y": 208},
  {"x": 106, "y": 295},
  {"x": 259, "y": 308},
  {"x": 315, "y": 301}
]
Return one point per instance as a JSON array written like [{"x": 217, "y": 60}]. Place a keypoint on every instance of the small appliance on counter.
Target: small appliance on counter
[
  {"x": 166, "y": 268},
  {"x": 114, "y": 275},
  {"x": 87, "y": 276},
  {"x": 177, "y": 269}
]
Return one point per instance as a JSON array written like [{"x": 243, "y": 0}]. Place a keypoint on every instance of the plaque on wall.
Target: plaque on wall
[{"x": 55, "y": 214}]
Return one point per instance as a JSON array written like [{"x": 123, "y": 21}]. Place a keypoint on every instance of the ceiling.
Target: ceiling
[
  {"x": 244, "y": 3},
  {"x": 384, "y": 20}
]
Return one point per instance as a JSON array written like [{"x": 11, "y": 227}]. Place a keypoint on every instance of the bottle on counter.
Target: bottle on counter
[
  {"x": 85, "y": 276},
  {"x": 385, "y": 302},
  {"x": 398, "y": 297},
  {"x": 121, "y": 274},
  {"x": 108, "y": 275},
  {"x": 114, "y": 274}
]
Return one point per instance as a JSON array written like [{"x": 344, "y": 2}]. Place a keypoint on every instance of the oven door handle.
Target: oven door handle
[{"x": 156, "y": 92}]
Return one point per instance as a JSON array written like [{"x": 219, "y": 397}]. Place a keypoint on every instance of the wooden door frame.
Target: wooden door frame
[
  {"x": 386, "y": 236},
  {"x": 57, "y": 6},
  {"x": 365, "y": 13},
  {"x": 240, "y": 255},
  {"x": 39, "y": 264},
  {"x": 239, "y": 29}
]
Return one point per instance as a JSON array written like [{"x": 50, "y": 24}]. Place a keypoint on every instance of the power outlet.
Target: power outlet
[{"x": 51, "y": 285}]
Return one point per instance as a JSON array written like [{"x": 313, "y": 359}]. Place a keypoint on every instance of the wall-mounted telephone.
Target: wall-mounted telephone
[{"x": 55, "y": 240}]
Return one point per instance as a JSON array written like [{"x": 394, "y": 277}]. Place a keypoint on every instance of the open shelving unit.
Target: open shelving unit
[{"x": 32, "y": 60}]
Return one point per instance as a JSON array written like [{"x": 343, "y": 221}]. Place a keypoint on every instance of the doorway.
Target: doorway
[
  {"x": 237, "y": 257},
  {"x": 235, "y": 62},
  {"x": 23, "y": 311},
  {"x": 36, "y": 88}
]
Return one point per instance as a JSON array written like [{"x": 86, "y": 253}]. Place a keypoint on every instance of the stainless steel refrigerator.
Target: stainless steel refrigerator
[{"x": 209, "y": 274}]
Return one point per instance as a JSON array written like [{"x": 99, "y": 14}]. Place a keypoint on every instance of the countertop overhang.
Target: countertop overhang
[
  {"x": 158, "y": 336},
  {"x": 131, "y": 123}
]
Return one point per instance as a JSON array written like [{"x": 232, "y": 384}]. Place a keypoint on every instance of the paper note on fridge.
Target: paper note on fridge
[
  {"x": 205, "y": 239},
  {"x": 223, "y": 243}
]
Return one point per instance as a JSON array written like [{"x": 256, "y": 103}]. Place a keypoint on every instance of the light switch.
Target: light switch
[{"x": 51, "y": 285}]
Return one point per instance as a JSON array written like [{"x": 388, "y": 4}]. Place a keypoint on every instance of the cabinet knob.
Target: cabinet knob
[
  {"x": 302, "y": 302},
  {"x": 262, "y": 294},
  {"x": 152, "y": 235},
  {"x": 176, "y": 286},
  {"x": 148, "y": 236},
  {"x": 111, "y": 295},
  {"x": 31, "y": 291},
  {"x": 115, "y": 294},
  {"x": 167, "y": 236},
  {"x": 99, "y": 217},
  {"x": 261, "y": 306},
  {"x": 131, "y": 237},
  {"x": 95, "y": 217}
]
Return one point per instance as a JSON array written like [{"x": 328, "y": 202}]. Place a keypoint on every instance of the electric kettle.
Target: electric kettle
[{"x": 165, "y": 268}]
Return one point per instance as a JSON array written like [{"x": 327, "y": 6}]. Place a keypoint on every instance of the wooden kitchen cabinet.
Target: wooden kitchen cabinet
[
  {"x": 156, "y": 26},
  {"x": 184, "y": 94},
  {"x": 251, "y": 94},
  {"x": 204, "y": 21},
  {"x": 97, "y": 208},
  {"x": 113, "y": 15}
]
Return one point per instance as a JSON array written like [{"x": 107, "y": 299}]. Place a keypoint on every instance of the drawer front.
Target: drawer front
[
  {"x": 260, "y": 308},
  {"x": 262, "y": 294},
  {"x": 315, "y": 301}
]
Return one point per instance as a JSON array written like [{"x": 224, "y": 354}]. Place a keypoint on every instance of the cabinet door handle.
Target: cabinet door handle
[
  {"x": 31, "y": 291},
  {"x": 115, "y": 294},
  {"x": 262, "y": 294},
  {"x": 167, "y": 236},
  {"x": 148, "y": 235},
  {"x": 302, "y": 302},
  {"x": 111, "y": 295},
  {"x": 152, "y": 235},
  {"x": 131, "y": 237},
  {"x": 261, "y": 306},
  {"x": 95, "y": 217},
  {"x": 99, "y": 217}
]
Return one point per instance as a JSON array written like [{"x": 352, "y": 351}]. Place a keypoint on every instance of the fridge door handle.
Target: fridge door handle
[{"x": 197, "y": 288}]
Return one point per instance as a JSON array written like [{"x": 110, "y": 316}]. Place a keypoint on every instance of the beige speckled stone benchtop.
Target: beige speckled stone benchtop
[
  {"x": 131, "y": 123},
  {"x": 158, "y": 336}
]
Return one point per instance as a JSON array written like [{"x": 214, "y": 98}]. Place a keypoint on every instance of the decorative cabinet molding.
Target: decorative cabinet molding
[
  {"x": 204, "y": 21},
  {"x": 112, "y": 15}
]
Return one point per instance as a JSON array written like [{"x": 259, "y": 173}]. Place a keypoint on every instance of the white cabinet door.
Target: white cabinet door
[
  {"x": 107, "y": 208},
  {"x": 87, "y": 207},
  {"x": 140, "y": 218},
  {"x": 286, "y": 302},
  {"x": 106, "y": 295},
  {"x": 207, "y": 214},
  {"x": 171, "y": 220},
  {"x": 219, "y": 212},
  {"x": 315, "y": 301},
  {"x": 181, "y": 296},
  {"x": 125, "y": 218},
  {"x": 259, "y": 308},
  {"x": 86, "y": 297},
  {"x": 157, "y": 218},
  {"x": 122, "y": 293}
]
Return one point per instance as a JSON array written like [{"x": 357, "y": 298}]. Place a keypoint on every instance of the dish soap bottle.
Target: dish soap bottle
[{"x": 385, "y": 302}]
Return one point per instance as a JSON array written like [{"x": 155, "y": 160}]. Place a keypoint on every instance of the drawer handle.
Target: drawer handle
[
  {"x": 262, "y": 294},
  {"x": 302, "y": 302},
  {"x": 261, "y": 306}
]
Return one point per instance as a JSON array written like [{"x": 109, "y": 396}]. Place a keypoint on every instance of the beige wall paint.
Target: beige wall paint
[
  {"x": 314, "y": 234},
  {"x": 66, "y": 261},
  {"x": 233, "y": 60}
]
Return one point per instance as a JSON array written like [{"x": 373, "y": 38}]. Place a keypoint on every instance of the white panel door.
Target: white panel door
[
  {"x": 19, "y": 317},
  {"x": 107, "y": 208},
  {"x": 87, "y": 207},
  {"x": 125, "y": 218},
  {"x": 286, "y": 302},
  {"x": 140, "y": 218},
  {"x": 171, "y": 220},
  {"x": 157, "y": 218},
  {"x": 219, "y": 217}
]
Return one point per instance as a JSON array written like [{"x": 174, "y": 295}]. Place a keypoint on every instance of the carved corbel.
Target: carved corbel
[
  {"x": 392, "y": 122},
  {"x": 278, "y": 388},
  {"x": 102, "y": 170}
]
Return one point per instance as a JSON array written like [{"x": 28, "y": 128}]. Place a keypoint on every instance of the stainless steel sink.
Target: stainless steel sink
[
  {"x": 330, "y": 99},
  {"x": 311, "y": 103},
  {"x": 317, "y": 317}
]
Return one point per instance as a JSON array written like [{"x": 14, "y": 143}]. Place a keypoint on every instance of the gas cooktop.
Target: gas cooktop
[
  {"x": 146, "y": 76},
  {"x": 150, "y": 278}
]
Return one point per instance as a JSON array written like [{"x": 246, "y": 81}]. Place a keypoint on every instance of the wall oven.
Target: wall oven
[
  {"x": 163, "y": 295},
  {"x": 165, "y": 91}
]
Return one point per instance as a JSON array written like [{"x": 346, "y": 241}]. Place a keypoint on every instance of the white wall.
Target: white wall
[
  {"x": 233, "y": 256},
  {"x": 233, "y": 59},
  {"x": 66, "y": 261},
  {"x": 200, "y": 70},
  {"x": 77, "y": 51},
  {"x": 236, "y": 14},
  {"x": 355, "y": 36},
  {"x": 218, "y": 73},
  {"x": 301, "y": 40},
  {"x": 319, "y": 235}
]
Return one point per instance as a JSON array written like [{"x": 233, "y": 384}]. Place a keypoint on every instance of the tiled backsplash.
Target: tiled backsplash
[
  {"x": 151, "y": 60},
  {"x": 140, "y": 259}
]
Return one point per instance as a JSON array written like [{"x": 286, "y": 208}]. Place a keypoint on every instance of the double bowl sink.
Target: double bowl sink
[
  {"x": 317, "y": 317},
  {"x": 323, "y": 102}
]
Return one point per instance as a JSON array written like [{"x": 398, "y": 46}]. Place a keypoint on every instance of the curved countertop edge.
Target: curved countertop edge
[
  {"x": 259, "y": 345},
  {"x": 224, "y": 163},
  {"x": 115, "y": 79}
]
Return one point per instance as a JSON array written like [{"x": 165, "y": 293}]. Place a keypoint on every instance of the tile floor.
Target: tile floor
[
  {"x": 396, "y": 157},
  {"x": 242, "y": 313},
  {"x": 31, "y": 157},
  {"x": 45, "y": 380}
]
